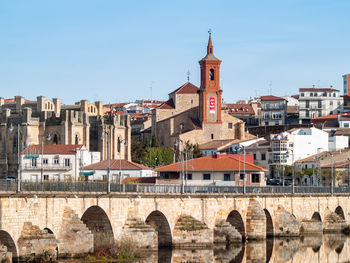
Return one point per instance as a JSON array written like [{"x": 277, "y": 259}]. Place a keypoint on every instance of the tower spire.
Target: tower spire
[{"x": 210, "y": 49}]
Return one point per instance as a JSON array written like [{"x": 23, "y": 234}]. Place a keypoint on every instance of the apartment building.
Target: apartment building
[
  {"x": 317, "y": 102},
  {"x": 273, "y": 111}
]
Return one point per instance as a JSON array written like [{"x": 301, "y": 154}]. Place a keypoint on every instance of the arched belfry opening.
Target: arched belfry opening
[{"x": 211, "y": 74}]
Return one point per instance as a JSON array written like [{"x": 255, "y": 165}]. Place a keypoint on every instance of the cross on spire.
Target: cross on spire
[{"x": 188, "y": 75}]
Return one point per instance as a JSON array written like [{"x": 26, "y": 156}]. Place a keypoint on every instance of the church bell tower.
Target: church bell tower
[{"x": 210, "y": 92}]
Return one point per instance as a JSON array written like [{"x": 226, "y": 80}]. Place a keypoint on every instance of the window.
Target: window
[
  {"x": 212, "y": 136},
  {"x": 266, "y": 115},
  {"x": 263, "y": 156},
  {"x": 45, "y": 161},
  {"x": 34, "y": 163},
  {"x": 333, "y": 94},
  {"x": 206, "y": 176},
  {"x": 230, "y": 125},
  {"x": 241, "y": 176},
  {"x": 227, "y": 177},
  {"x": 346, "y": 125},
  {"x": 302, "y": 94},
  {"x": 315, "y": 94},
  {"x": 319, "y": 104},
  {"x": 211, "y": 74},
  {"x": 307, "y": 113},
  {"x": 56, "y": 160},
  {"x": 254, "y": 156},
  {"x": 307, "y": 104},
  {"x": 189, "y": 176},
  {"x": 255, "y": 178},
  {"x": 331, "y": 103},
  {"x": 76, "y": 139},
  {"x": 311, "y": 94},
  {"x": 55, "y": 139},
  {"x": 46, "y": 177},
  {"x": 67, "y": 162},
  {"x": 166, "y": 176}
]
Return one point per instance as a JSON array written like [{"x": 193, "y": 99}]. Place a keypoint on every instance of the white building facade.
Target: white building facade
[
  {"x": 297, "y": 144},
  {"x": 55, "y": 162},
  {"x": 317, "y": 102},
  {"x": 118, "y": 170}
]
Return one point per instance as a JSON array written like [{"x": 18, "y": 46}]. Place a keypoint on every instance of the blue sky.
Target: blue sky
[{"x": 113, "y": 50}]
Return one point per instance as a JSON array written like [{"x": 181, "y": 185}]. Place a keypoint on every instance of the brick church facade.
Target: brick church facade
[{"x": 195, "y": 114}]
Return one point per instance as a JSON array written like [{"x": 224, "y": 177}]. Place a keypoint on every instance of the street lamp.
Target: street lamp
[
  {"x": 177, "y": 144},
  {"x": 48, "y": 138},
  {"x": 293, "y": 170},
  {"x": 332, "y": 176},
  {"x": 238, "y": 149},
  {"x": 120, "y": 160},
  {"x": 19, "y": 175},
  {"x": 108, "y": 158}
]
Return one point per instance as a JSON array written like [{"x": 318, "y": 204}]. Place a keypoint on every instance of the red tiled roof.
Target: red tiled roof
[
  {"x": 215, "y": 144},
  {"x": 169, "y": 104},
  {"x": 316, "y": 89},
  {"x": 263, "y": 143},
  {"x": 240, "y": 109},
  {"x": 328, "y": 117},
  {"x": 186, "y": 88},
  {"x": 213, "y": 163},
  {"x": 52, "y": 149},
  {"x": 270, "y": 97},
  {"x": 292, "y": 109},
  {"x": 115, "y": 164},
  {"x": 342, "y": 164}
]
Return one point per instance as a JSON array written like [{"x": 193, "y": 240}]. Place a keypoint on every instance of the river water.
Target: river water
[{"x": 311, "y": 249}]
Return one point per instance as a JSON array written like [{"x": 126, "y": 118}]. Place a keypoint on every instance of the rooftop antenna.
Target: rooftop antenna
[
  {"x": 151, "y": 88},
  {"x": 318, "y": 83},
  {"x": 270, "y": 88},
  {"x": 188, "y": 75}
]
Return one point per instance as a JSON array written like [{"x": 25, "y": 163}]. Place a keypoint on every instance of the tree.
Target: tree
[
  {"x": 154, "y": 141},
  {"x": 138, "y": 152},
  {"x": 159, "y": 156},
  {"x": 192, "y": 150}
]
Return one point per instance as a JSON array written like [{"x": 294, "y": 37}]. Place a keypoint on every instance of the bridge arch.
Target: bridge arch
[
  {"x": 316, "y": 216},
  {"x": 339, "y": 211},
  {"x": 158, "y": 220},
  {"x": 96, "y": 219},
  {"x": 269, "y": 224},
  {"x": 7, "y": 240},
  {"x": 235, "y": 219},
  {"x": 48, "y": 230}
]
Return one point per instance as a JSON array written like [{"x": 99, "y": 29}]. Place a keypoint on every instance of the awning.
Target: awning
[
  {"x": 86, "y": 173},
  {"x": 31, "y": 156}
]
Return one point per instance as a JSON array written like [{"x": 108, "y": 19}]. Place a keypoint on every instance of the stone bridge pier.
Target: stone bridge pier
[{"x": 77, "y": 224}]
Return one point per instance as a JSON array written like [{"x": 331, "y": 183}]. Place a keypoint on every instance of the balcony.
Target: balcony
[{"x": 47, "y": 167}]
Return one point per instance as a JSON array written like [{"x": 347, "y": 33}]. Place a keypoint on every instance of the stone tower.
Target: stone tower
[{"x": 210, "y": 92}]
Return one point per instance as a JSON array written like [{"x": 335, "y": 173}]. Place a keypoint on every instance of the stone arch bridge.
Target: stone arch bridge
[{"x": 76, "y": 224}]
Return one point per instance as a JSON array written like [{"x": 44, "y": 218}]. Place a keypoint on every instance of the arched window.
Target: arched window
[
  {"x": 119, "y": 144},
  {"x": 15, "y": 141},
  {"x": 211, "y": 74},
  {"x": 55, "y": 139},
  {"x": 76, "y": 139}
]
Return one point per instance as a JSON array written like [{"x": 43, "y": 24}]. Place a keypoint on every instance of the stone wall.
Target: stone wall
[{"x": 198, "y": 219}]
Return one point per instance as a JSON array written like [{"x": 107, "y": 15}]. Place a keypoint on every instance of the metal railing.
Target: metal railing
[{"x": 101, "y": 187}]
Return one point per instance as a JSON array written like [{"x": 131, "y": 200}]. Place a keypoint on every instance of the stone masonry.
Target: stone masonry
[{"x": 65, "y": 221}]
